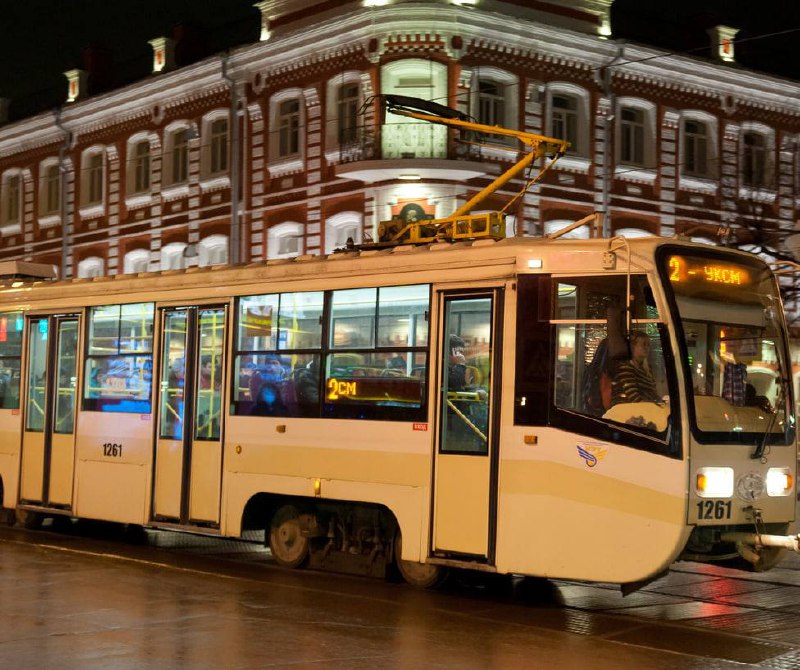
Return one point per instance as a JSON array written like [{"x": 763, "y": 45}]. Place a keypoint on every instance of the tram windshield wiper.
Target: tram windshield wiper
[{"x": 762, "y": 447}]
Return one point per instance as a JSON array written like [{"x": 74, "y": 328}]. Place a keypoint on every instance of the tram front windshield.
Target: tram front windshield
[{"x": 735, "y": 349}]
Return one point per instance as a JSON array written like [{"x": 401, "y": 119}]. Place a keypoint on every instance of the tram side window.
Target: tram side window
[
  {"x": 277, "y": 358},
  {"x": 374, "y": 358},
  {"x": 10, "y": 355},
  {"x": 376, "y": 362},
  {"x": 119, "y": 359},
  {"x": 599, "y": 371}
]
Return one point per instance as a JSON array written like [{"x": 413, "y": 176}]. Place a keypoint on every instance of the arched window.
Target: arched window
[
  {"x": 568, "y": 116},
  {"x": 176, "y": 154},
  {"x": 137, "y": 260},
  {"x": 138, "y": 165},
  {"x": 756, "y": 155},
  {"x": 91, "y": 267},
  {"x": 286, "y": 123},
  {"x": 11, "y": 214},
  {"x": 285, "y": 240},
  {"x": 92, "y": 178},
  {"x": 341, "y": 227},
  {"x": 402, "y": 137},
  {"x": 494, "y": 98},
  {"x": 213, "y": 250},
  {"x": 172, "y": 257},
  {"x": 344, "y": 98},
  {"x": 215, "y": 145},
  {"x": 636, "y": 133},
  {"x": 49, "y": 187},
  {"x": 698, "y": 145}
]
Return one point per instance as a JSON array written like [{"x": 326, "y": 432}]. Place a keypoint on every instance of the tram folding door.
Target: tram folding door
[
  {"x": 188, "y": 459},
  {"x": 465, "y": 489},
  {"x": 48, "y": 439}
]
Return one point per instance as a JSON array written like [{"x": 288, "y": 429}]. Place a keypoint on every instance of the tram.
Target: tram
[{"x": 416, "y": 407}]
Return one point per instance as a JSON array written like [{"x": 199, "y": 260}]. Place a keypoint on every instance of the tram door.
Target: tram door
[
  {"x": 48, "y": 441},
  {"x": 188, "y": 459},
  {"x": 465, "y": 469}
]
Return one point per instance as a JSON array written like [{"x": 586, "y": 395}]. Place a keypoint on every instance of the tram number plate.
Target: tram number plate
[
  {"x": 714, "y": 509},
  {"x": 112, "y": 449}
]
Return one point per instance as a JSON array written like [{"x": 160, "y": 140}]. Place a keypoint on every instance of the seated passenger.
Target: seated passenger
[{"x": 633, "y": 380}]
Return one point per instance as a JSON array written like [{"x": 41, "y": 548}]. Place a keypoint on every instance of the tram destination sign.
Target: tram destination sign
[{"x": 686, "y": 270}]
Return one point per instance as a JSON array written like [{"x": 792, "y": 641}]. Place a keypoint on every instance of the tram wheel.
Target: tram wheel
[
  {"x": 419, "y": 575},
  {"x": 289, "y": 547}
]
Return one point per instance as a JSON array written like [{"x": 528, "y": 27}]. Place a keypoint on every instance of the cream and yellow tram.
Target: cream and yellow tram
[{"x": 458, "y": 396}]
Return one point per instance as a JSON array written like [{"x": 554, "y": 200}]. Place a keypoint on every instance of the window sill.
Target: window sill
[
  {"x": 92, "y": 211},
  {"x": 757, "y": 194},
  {"x": 139, "y": 200},
  {"x": 577, "y": 164},
  {"x": 49, "y": 221},
  {"x": 698, "y": 184},
  {"x": 215, "y": 183},
  {"x": 280, "y": 167},
  {"x": 175, "y": 191},
  {"x": 500, "y": 152},
  {"x": 635, "y": 174},
  {"x": 7, "y": 229}
]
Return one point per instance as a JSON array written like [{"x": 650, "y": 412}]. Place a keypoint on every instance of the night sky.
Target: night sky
[{"x": 40, "y": 39}]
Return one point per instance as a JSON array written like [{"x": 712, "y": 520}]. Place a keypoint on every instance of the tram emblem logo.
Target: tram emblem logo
[{"x": 591, "y": 453}]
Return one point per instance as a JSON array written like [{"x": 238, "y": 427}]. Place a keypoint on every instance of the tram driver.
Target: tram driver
[{"x": 633, "y": 379}]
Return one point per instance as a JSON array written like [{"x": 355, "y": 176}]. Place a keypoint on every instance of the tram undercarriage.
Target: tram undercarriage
[{"x": 745, "y": 547}]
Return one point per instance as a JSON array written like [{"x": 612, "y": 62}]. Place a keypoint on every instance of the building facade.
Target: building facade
[{"x": 280, "y": 148}]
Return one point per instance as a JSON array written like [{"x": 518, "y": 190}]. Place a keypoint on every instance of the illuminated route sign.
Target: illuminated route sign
[
  {"x": 698, "y": 271},
  {"x": 375, "y": 390}
]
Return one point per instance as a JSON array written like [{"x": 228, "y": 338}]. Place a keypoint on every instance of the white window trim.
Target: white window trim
[
  {"x": 280, "y": 230},
  {"x": 627, "y": 171},
  {"x": 86, "y": 209},
  {"x": 332, "y": 110},
  {"x": 765, "y": 194},
  {"x": 171, "y": 251},
  {"x": 87, "y": 267},
  {"x": 175, "y": 192},
  {"x": 581, "y": 157},
  {"x": 208, "y": 245},
  {"x": 49, "y": 221},
  {"x": 281, "y": 165},
  {"x": 338, "y": 222},
  {"x": 132, "y": 258},
  {"x": 706, "y": 183}
]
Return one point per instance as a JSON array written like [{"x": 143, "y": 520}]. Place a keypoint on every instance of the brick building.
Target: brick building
[{"x": 278, "y": 148}]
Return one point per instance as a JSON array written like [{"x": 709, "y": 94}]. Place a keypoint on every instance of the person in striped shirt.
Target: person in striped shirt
[{"x": 633, "y": 380}]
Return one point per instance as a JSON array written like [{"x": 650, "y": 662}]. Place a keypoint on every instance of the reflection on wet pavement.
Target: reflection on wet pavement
[{"x": 98, "y": 596}]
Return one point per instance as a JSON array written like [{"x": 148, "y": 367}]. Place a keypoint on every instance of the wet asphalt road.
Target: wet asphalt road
[{"x": 92, "y": 598}]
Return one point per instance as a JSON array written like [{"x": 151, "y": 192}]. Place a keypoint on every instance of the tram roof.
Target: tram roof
[{"x": 447, "y": 262}]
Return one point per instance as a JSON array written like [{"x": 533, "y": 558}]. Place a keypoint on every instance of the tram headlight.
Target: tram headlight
[
  {"x": 714, "y": 482},
  {"x": 780, "y": 482}
]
